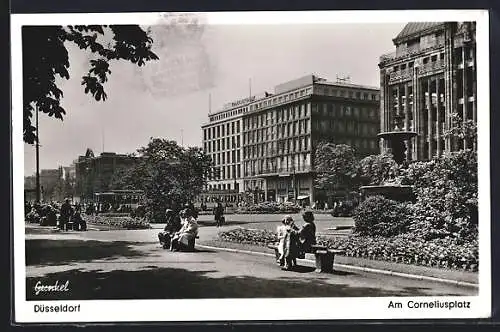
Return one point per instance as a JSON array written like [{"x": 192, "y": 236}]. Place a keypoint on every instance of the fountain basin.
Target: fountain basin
[{"x": 395, "y": 192}]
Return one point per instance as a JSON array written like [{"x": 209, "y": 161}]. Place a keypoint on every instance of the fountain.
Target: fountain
[{"x": 391, "y": 189}]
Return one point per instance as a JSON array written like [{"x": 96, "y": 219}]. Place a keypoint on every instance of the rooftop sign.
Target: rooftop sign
[{"x": 239, "y": 103}]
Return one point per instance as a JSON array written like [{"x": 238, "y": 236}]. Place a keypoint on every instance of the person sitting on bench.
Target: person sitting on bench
[
  {"x": 79, "y": 224},
  {"x": 185, "y": 237},
  {"x": 173, "y": 225},
  {"x": 307, "y": 234}
]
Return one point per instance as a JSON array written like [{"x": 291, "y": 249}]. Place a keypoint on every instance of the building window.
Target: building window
[{"x": 356, "y": 112}]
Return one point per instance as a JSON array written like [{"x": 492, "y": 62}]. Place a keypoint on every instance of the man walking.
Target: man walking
[{"x": 219, "y": 214}]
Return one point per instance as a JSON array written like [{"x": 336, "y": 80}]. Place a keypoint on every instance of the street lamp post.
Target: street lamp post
[{"x": 37, "y": 156}]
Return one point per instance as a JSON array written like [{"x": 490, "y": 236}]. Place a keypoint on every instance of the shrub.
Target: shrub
[
  {"x": 378, "y": 216},
  {"x": 446, "y": 191}
]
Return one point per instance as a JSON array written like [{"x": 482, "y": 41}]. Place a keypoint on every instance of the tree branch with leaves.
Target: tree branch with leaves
[{"x": 46, "y": 58}]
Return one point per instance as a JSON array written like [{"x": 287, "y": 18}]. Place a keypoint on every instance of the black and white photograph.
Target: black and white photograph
[{"x": 225, "y": 166}]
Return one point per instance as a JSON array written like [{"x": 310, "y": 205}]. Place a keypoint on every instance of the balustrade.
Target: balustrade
[{"x": 409, "y": 51}]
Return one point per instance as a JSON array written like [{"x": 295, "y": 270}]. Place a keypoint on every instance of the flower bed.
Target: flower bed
[
  {"x": 269, "y": 207},
  {"x": 124, "y": 222},
  {"x": 114, "y": 214},
  {"x": 247, "y": 236},
  {"x": 444, "y": 253}
]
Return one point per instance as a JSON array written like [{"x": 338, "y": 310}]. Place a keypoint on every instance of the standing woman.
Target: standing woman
[
  {"x": 282, "y": 230},
  {"x": 290, "y": 246}
]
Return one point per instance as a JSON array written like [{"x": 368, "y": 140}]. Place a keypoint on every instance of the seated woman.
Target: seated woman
[
  {"x": 79, "y": 224},
  {"x": 184, "y": 238},
  {"x": 173, "y": 225},
  {"x": 307, "y": 233}
]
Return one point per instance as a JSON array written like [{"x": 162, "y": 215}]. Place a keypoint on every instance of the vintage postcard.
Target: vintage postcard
[{"x": 229, "y": 166}]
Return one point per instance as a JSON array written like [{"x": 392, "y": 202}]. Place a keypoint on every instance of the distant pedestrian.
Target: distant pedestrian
[{"x": 219, "y": 214}]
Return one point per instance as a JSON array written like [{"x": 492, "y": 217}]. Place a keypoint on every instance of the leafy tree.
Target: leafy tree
[
  {"x": 45, "y": 58},
  {"x": 169, "y": 175},
  {"x": 336, "y": 166},
  {"x": 461, "y": 130}
]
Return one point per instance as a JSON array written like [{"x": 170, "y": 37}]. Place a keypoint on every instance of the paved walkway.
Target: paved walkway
[{"x": 131, "y": 265}]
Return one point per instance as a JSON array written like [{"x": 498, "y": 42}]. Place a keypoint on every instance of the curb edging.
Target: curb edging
[{"x": 357, "y": 268}]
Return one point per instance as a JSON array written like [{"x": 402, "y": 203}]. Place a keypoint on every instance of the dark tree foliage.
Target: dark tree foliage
[
  {"x": 335, "y": 165},
  {"x": 45, "y": 57},
  {"x": 169, "y": 175}
]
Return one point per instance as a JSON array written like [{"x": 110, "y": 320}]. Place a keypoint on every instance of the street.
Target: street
[{"x": 130, "y": 264}]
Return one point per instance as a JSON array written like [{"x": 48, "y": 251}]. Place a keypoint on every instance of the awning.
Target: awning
[{"x": 303, "y": 197}]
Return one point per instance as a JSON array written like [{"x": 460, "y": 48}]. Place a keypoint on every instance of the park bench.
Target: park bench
[
  {"x": 323, "y": 256},
  {"x": 191, "y": 243}
]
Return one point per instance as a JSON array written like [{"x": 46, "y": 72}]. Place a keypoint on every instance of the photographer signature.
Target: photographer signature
[{"x": 55, "y": 287}]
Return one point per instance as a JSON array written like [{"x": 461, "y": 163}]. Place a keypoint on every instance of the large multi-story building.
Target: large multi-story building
[
  {"x": 222, "y": 141},
  {"x": 430, "y": 76},
  {"x": 94, "y": 174},
  {"x": 274, "y": 150}
]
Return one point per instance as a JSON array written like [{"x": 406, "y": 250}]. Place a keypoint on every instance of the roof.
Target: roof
[
  {"x": 350, "y": 85},
  {"x": 414, "y": 28}
]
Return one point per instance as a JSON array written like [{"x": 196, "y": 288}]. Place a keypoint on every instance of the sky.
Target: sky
[{"x": 169, "y": 98}]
